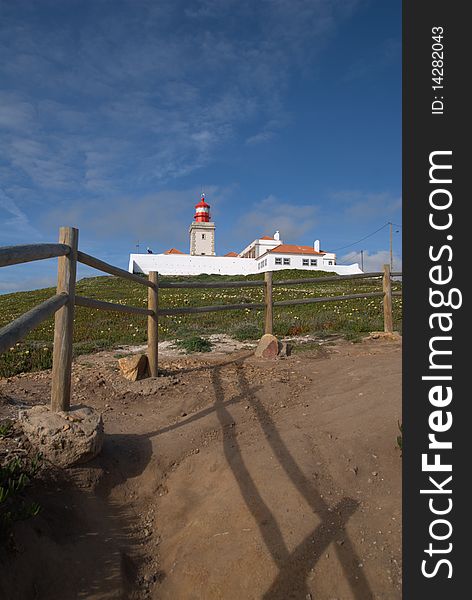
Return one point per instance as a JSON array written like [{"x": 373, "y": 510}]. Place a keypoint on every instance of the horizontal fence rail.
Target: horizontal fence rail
[
  {"x": 102, "y": 305},
  {"x": 95, "y": 263},
  {"x": 17, "y": 329},
  {"x": 15, "y": 255},
  {"x": 63, "y": 303},
  {"x": 191, "y": 310},
  {"x": 327, "y": 299}
]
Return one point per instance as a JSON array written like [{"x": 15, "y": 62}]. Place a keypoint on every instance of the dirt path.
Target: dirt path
[{"x": 227, "y": 478}]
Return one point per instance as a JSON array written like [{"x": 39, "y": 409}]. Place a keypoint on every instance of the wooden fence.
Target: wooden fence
[{"x": 63, "y": 303}]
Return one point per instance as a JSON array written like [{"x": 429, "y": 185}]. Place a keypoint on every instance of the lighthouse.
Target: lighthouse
[{"x": 202, "y": 231}]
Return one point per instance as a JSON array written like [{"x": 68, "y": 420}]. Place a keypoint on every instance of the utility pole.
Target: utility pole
[
  {"x": 391, "y": 247},
  {"x": 362, "y": 260}
]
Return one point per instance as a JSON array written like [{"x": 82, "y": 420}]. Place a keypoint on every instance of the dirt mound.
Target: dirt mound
[{"x": 228, "y": 477}]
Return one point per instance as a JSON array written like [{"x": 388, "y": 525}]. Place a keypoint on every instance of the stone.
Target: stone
[
  {"x": 385, "y": 335},
  {"x": 134, "y": 367},
  {"x": 268, "y": 347},
  {"x": 63, "y": 438}
]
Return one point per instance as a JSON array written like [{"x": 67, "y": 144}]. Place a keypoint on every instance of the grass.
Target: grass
[
  {"x": 307, "y": 347},
  {"x": 5, "y": 429},
  {"x": 15, "y": 476},
  {"x": 400, "y": 437},
  {"x": 16, "y": 473},
  {"x": 194, "y": 343},
  {"x": 96, "y": 329}
]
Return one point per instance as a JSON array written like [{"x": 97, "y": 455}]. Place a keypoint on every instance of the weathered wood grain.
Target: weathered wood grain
[
  {"x": 15, "y": 255},
  {"x": 17, "y": 329},
  {"x": 64, "y": 322}
]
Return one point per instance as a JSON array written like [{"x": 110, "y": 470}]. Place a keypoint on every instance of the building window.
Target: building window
[
  {"x": 203, "y": 236},
  {"x": 330, "y": 262},
  {"x": 286, "y": 261},
  {"x": 305, "y": 262},
  {"x": 278, "y": 261},
  {"x": 313, "y": 262}
]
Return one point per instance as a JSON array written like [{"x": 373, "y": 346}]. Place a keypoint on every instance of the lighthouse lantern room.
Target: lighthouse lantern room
[{"x": 202, "y": 231}]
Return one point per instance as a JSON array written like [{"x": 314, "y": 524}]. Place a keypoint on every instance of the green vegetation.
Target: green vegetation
[
  {"x": 400, "y": 437},
  {"x": 96, "y": 329},
  {"x": 314, "y": 348},
  {"x": 14, "y": 478},
  {"x": 5, "y": 428},
  {"x": 15, "y": 475},
  {"x": 194, "y": 343}
]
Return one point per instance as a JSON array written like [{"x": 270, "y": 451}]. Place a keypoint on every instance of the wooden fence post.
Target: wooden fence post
[
  {"x": 153, "y": 303},
  {"x": 268, "y": 306},
  {"x": 387, "y": 302},
  {"x": 64, "y": 322}
]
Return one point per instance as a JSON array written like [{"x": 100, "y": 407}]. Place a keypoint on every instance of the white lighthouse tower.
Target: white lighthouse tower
[{"x": 202, "y": 231}]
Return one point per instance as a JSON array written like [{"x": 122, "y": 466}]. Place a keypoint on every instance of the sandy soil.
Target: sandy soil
[{"x": 228, "y": 477}]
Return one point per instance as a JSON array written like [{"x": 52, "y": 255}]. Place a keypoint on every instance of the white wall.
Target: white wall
[
  {"x": 184, "y": 264},
  {"x": 296, "y": 261},
  {"x": 260, "y": 246}
]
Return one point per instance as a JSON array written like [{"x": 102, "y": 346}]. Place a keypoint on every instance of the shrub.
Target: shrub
[
  {"x": 15, "y": 475},
  {"x": 194, "y": 343}
]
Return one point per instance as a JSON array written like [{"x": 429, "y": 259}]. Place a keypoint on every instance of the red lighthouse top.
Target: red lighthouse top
[{"x": 202, "y": 211}]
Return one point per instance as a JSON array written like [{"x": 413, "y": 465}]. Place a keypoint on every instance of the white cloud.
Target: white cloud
[
  {"x": 160, "y": 219},
  {"x": 362, "y": 206},
  {"x": 15, "y": 113},
  {"x": 373, "y": 262},
  {"x": 272, "y": 213},
  {"x": 101, "y": 109},
  {"x": 260, "y": 138},
  {"x": 146, "y": 86},
  {"x": 16, "y": 284},
  {"x": 14, "y": 224}
]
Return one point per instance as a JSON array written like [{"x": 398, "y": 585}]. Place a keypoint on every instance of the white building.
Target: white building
[
  {"x": 290, "y": 256},
  {"x": 263, "y": 254}
]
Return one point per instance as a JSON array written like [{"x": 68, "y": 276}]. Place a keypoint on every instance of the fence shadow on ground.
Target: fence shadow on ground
[{"x": 294, "y": 567}]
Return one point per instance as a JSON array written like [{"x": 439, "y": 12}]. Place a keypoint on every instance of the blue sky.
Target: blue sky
[{"x": 115, "y": 113}]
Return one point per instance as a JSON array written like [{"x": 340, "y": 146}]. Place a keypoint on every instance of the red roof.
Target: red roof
[
  {"x": 232, "y": 254},
  {"x": 266, "y": 237},
  {"x": 202, "y": 204},
  {"x": 292, "y": 249},
  {"x": 173, "y": 251}
]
